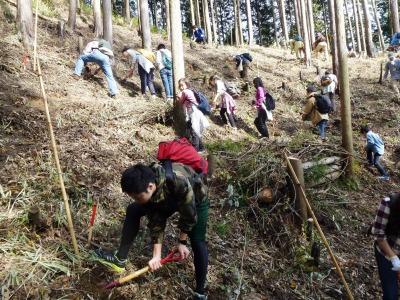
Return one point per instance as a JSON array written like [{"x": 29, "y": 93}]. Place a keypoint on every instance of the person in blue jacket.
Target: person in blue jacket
[
  {"x": 198, "y": 35},
  {"x": 375, "y": 149},
  {"x": 395, "y": 39}
]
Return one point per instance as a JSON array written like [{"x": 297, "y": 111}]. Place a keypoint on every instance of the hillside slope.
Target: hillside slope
[{"x": 254, "y": 251}]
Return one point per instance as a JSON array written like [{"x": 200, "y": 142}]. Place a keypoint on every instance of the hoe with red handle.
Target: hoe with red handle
[{"x": 171, "y": 257}]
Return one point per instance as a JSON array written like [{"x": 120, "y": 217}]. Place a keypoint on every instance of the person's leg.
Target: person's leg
[
  {"x": 388, "y": 278},
  {"x": 231, "y": 120},
  {"x": 321, "y": 126},
  {"x": 332, "y": 98},
  {"x": 104, "y": 62},
  {"x": 164, "y": 78},
  {"x": 377, "y": 164},
  {"x": 200, "y": 253},
  {"x": 170, "y": 84},
  {"x": 195, "y": 140},
  {"x": 82, "y": 60},
  {"x": 149, "y": 81},
  {"x": 222, "y": 113},
  {"x": 143, "y": 79},
  {"x": 369, "y": 157},
  {"x": 393, "y": 84},
  {"x": 245, "y": 71},
  {"x": 262, "y": 116}
]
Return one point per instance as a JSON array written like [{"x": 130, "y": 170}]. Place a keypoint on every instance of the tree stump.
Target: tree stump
[
  {"x": 34, "y": 217},
  {"x": 319, "y": 71},
  {"x": 80, "y": 44},
  {"x": 61, "y": 29}
]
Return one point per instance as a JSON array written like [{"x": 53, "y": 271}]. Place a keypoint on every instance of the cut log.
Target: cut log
[
  {"x": 323, "y": 161},
  {"x": 265, "y": 196},
  {"x": 300, "y": 204},
  {"x": 328, "y": 177},
  {"x": 34, "y": 217}
]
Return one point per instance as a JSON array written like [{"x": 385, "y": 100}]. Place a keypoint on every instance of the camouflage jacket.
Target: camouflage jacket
[{"x": 187, "y": 192}]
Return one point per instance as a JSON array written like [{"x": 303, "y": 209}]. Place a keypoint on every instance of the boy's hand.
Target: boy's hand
[
  {"x": 183, "y": 251},
  {"x": 395, "y": 263},
  {"x": 155, "y": 264}
]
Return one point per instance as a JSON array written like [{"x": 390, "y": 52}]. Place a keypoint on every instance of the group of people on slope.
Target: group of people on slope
[
  {"x": 142, "y": 62},
  {"x": 320, "y": 45}
]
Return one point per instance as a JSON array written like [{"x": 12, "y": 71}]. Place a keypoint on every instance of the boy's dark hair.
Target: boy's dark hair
[
  {"x": 364, "y": 129},
  {"x": 258, "y": 82},
  {"x": 327, "y": 72},
  {"x": 136, "y": 179},
  {"x": 125, "y": 49},
  {"x": 311, "y": 89},
  {"x": 213, "y": 77},
  {"x": 194, "y": 26},
  {"x": 186, "y": 81},
  {"x": 161, "y": 46}
]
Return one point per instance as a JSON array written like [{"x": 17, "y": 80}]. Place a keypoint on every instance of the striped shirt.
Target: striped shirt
[{"x": 379, "y": 227}]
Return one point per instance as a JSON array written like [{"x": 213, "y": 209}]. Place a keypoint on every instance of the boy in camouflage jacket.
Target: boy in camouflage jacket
[{"x": 147, "y": 185}]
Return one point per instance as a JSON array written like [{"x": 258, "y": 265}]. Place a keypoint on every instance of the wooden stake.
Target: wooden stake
[
  {"x": 92, "y": 221},
  {"x": 35, "y": 41},
  {"x": 57, "y": 162},
  {"x": 300, "y": 206},
  {"x": 321, "y": 233}
]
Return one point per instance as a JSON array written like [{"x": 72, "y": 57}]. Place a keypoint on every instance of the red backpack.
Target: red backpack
[{"x": 180, "y": 150}]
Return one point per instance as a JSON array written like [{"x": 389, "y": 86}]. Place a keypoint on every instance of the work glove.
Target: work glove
[{"x": 395, "y": 263}]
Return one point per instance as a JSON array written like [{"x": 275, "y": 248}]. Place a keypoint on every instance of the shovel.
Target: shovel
[{"x": 171, "y": 257}]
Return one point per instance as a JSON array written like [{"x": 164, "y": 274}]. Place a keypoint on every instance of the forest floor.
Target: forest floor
[{"x": 255, "y": 251}]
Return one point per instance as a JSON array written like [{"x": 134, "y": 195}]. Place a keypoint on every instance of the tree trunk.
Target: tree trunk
[
  {"x": 368, "y": 29},
  {"x": 214, "y": 23},
  {"x": 394, "y": 9},
  {"x": 178, "y": 67},
  {"x": 207, "y": 21},
  {"x": 357, "y": 27},
  {"x": 72, "y": 14},
  {"x": 236, "y": 16},
  {"x": 198, "y": 19},
  {"x": 25, "y": 22},
  {"x": 259, "y": 22},
  {"x": 282, "y": 15},
  {"x": 327, "y": 34},
  {"x": 345, "y": 105},
  {"x": 168, "y": 19},
  {"x": 126, "y": 10},
  {"x": 145, "y": 24},
  {"x": 297, "y": 17},
  {"x": 239, "y": 20},
  {"x": 378, "y": 25},
  {"x": 349, "y": 23},
  {"x": 311, "y": 21},
  {"x": 249, "y": 22},
  {"x": 107, "y": 21},
  {"x": 335, "y": 62},
  {"x": 275, "y": 24},
  {"x": 155, "y": 8},
  {"x": 363, "y": 43},
  {"x": 300, "y": 204},
  {"x": 97, "y": 20},
  {"x": 305, "y": 34},
  {"x": 192, "y": 17}
]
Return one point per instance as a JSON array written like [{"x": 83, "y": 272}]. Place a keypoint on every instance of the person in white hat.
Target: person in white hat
[{"x": 393, "y": 65}]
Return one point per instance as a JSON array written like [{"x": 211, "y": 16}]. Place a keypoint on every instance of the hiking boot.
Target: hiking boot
[
  {"x": 384, "y": 177},
  {"x": 114, "y": 96},
  {"x": 76, "y": 77},
  {"x": 198, "y": 296},
  {"x": 111, "y": 260}
]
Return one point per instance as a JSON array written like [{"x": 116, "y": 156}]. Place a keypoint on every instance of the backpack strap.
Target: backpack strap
[{"x": 169, "y": 175}]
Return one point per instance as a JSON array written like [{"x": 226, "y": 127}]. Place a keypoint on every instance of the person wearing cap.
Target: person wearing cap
[
  {"x": 297, "y": 46},
  {"x": 320, "y": 45},
  {"x": 395, "y": 40},
  {"x": 393, "y": 65},
  {"x": 142, "y": 66},
  {"x": 311, "y": 112}
]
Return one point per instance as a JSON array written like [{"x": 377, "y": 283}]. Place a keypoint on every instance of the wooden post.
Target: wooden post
[
  {"x": 301, "y": 76},
  {"x": 319, "y": 72},
  {"x": 61, "y": 29},
  {"x": 284, "y": 86},
  {"x": 300, "y": 205},
  {"x": 381, "y": 75},
  {"x": 34, "y": 217},
  {"x": 80, "y": 44}
]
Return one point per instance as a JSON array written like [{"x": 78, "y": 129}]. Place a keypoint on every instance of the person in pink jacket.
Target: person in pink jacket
[{"x": 262, "y": 114}]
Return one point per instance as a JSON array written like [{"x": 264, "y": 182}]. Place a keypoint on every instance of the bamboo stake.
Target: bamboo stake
[
  {"x": 35, "y": 41},
  {"x": 331, "y": 254},
  {"x": 57, "y": 162}
]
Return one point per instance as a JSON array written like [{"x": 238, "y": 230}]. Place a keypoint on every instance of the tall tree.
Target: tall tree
[
  {"x": 236, "y": 18},
  {"x": 311, "y": 21},
  {"x": 25, "y": 21},
  {"x": 249, "y": 21},
  {"x": 198, "y": 18},
  {"x": 178, "y": 66},
  {"x": 378, "y": 25},
  {"x": 168, "y": 19},
  {"x": 97, "y": 20},
  {"x": 282, "y": 15},
  {"x": 145, "y": 24},
  {"x": 363, "y": 43},
  {"x": 368, "y": 29},
  {"x": 214, "y": 22},
  {"x": 335, "y": 62},
  {"x": 394, "y": 14},
  {"x": 275, "y": 24},
  {"x": 297, "y": 17},
  {"x": 239, "y": 20},
  {"x": 207, "y": 22},
  {"x": 259, "y": 22},
  {"x": 192, "y": 17},
  {"x": 126, "y": 10},
  {"x": 349, "y": 23},
  {"x": 307, "y": 50},
  {"x": 357, "y": 27},
  {"x": 345, "y": 105},
  {"x": 72, "y": 14},
  {"x": 107, "y": 21}
]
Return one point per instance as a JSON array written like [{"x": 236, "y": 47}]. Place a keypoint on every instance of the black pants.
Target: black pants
[
  {"x": 197, "y": 142},
  {"x": 260, "y": 123},
  {"x": 223, "y": 113}
]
